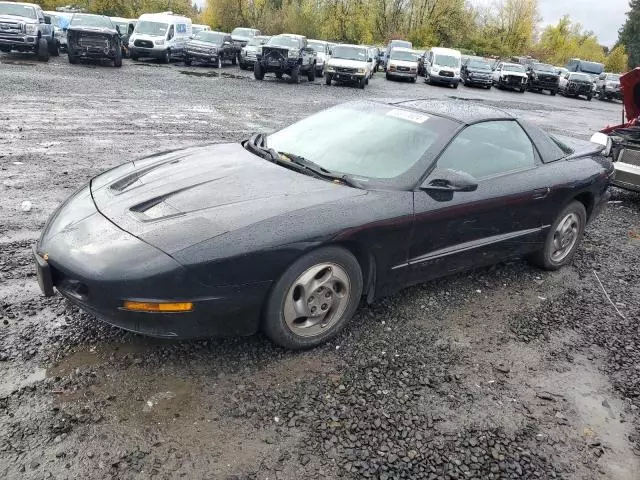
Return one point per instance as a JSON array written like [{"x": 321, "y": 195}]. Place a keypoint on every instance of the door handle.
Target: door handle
[{"x": 540, "y": 193}]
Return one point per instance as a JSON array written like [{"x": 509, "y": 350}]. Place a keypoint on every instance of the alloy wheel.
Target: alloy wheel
[
  {"x": 317, "y": 299},
  {"x": 565, "y": 237}
]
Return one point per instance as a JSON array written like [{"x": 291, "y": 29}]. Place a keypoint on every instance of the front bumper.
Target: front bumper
[
  {"x": 19, "y": 42},
  {"x": 91, "y": 53},
  {"x": 626, "y": 176},
  {"x": 202, "y": 56},
  {"x": 98, "y": 266},
  {"x": 147, "y": 52},
  {"x": 612, "y": 93},
  {"x": 343, "y": 77},
  {"x": 444, "y": 80},
  {"x": 537, "y": 85},
  {"x": 396, "y": 73},
  {"x": 478, "y": 81},
  {"x": 516, "y": 85},
  {"x": 271, "y": 66}
]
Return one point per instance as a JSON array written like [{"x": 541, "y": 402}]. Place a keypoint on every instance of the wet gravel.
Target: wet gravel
[{"x": 505, "y": 372}]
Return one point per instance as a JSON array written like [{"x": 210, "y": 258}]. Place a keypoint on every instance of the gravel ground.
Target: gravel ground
[{"x": 505, "y": 372}]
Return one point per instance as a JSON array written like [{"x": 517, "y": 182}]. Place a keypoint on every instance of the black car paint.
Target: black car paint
[
  {"x": 541, "y": 79},
  {"x": 198, "y": 50},
  {"x": 217, "y": 226},
  {"x": 473, "y": 76},
  {"x": 77, "y": 33}
]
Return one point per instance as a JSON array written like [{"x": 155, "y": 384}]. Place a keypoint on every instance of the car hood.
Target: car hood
[
  {"x": 16, "y": 18},
  {"x": 514, "y": 74},
  {"x": 178, "y": 199},
  {"x": 201, "y": 44},
  {"x": 341, "y": 62},
  {"x": 478, "y": 70},
  {"x": 630, "y": 85},
  {"x": 81, "y": 29},
  {"x": 403, "y": 63}
]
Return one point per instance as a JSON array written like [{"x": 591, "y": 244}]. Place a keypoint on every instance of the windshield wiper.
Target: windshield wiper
[
  {"x": 320, "y": 170},
  {"x": 256, "y": 144}
]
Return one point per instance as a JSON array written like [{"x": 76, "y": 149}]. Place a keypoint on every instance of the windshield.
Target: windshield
[
  {"x": 446, "y": 61},
  {"x": 242, "y": 32},
  {"x": 155, "y": 29},
  {"x": 91, "y": 21},
  {"x": 479, "y": 65},
  {"x": 400, "y": 43},
  {"x": 210, "y": 37},
  {"x": 317, "y": 46},
  {"x": 580, "y": 76},
  {"x": 124, "y": 27},
  {"x": 613, "y": 77},
  {"x": 368, "y": 140},
  {"x": 281, "y": 41},
  {"x": 512, "y": 67},
  {"x": 17, "y": 10},
  {"x": 255, "y": 41},
  {"x": 543, "y": 67},
  {"x": 403, "y": 55},
  {"x": 349, "y": 53}
]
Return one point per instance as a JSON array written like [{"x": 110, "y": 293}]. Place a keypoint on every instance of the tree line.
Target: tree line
[{"x": 502, "y": 28}]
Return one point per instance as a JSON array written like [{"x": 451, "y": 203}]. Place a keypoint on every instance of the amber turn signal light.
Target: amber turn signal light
[{"x": 158, "y": 307}]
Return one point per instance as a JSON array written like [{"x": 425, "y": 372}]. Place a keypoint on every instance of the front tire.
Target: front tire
[
  {"x": 219, "y": 63},
  {"x": 187, "y": 61},
  {"x": 117, "y": 61},
  {"x": 327, "y": 79},
  {"x": 43, "y": 50},
  {"x": 295, "y": 74},
  {"x": 73, "y": 59},
  {"x": 54, "y": 49},
  {"x": 166, "y": 57},
  {"x": 563, "y": 238},
  {"x": 311, "y": 74},
  {"x": 258, "y": 74},
  {"x": 314, "y": 299}
]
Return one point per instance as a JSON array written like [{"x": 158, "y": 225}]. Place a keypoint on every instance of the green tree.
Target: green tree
[
  {"x": 629, "y": 34},
  {"x": 618, "y": 60}
]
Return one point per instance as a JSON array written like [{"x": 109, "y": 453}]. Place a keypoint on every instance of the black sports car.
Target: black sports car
[
  {"x": 287, "y": 232},
  {"x": 93, "y": 37}
]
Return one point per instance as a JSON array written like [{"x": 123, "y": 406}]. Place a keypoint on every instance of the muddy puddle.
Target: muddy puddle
[{"x": 212, "y": 74}]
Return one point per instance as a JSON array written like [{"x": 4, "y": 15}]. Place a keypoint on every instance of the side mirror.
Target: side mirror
[
  {"x": 370, "y": 59},
  {"x": 450, "y": 181},
  {"x": 604, "y": 140},
  {"x": 47, "y": 20}
]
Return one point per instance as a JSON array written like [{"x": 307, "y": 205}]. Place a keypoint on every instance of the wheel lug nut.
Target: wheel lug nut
[
  {"x": 324, "y": 306},
  {"x": 313, "y": 309},
  {"x": 311, "y": 299},
  {"x": 327, "y": 295}
]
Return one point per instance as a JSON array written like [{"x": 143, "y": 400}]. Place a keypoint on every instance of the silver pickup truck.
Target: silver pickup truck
[{"x": 23, "y": 27}]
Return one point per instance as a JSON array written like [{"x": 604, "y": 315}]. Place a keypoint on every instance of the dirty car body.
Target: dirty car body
[
  {"x": 217, "y": 226},
  {"x": 626, "y": 137},
  {"x": 93, "y": 37},
  {"x": 285, "y": 54}
]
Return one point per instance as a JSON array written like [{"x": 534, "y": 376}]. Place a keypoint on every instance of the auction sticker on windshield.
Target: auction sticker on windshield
[{"x": 405, "y": 115}]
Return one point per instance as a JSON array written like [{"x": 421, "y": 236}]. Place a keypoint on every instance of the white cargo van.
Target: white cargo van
[
  {"x": 160, "y": 35},
  {"x": 442, "y": 65}
]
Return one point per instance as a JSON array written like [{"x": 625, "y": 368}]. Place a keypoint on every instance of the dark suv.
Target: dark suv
[
  {"x": 210, "y": 47},
  {"x": 476, "y": 72},
  {"x": 93, "y": 37},
  {"x": 286, "y": 54},
  {"x": 543, "y": 77}
]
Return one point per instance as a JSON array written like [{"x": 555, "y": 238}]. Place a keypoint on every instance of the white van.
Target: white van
[
  {"x": 160, "y": 35},
  {"x": 442, "y": 65}
]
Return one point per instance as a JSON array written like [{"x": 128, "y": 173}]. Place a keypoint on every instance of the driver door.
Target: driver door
[{"x": 501, "y": 218}]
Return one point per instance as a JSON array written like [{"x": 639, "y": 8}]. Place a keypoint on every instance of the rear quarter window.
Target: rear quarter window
[{"x": 549, "y": 147}]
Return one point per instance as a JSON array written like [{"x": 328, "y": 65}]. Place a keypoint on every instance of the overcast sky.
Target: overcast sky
[{"x": 603, "y": 17}]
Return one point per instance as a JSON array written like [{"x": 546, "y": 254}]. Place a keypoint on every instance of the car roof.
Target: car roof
[
  {"x": 290, "y": 35},
  {"x": 459, "y": 110},
  {"x": 317, "y": 41},
  {"x": 350, "y": 45},
  {"x": 511, "y": 64}
]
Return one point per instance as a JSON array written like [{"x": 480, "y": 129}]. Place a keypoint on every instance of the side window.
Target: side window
[
  {"x": 181, "y": 28},
  {"x": 227, "y": 38},
  {"x": 489, "y": 148},
  {"x": 171, "y": 33}
]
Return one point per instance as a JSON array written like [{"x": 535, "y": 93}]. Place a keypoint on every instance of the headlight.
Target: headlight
[
  {"x": 293, "y": 54},
  {"x": 159, "y": 42},
  {"x": 535, "y": 76},
  {"x": 361, "y": 70},
  {"x": 244, "y": 52},
  {"x": 213, "y": 50},
  {"x": 330, "y": 68},
  {"x": 471, "y": 74},
  {"x": 30, "y": 29}
]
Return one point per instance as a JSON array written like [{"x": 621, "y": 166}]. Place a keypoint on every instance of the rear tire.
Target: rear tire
[
  {"x": 576, "y": 217},
  {"x": 257, "y": 71},
  {"x": 187, "y": 61},
  {"x": 327, "y": 79},
  {"x": 553, "y": 93},
  {"x": 43, "y": 50},
  {"x": 338, "y": 279},
  {"x": 234, "y": 60},
  {"x": 134, "y": 57}
]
